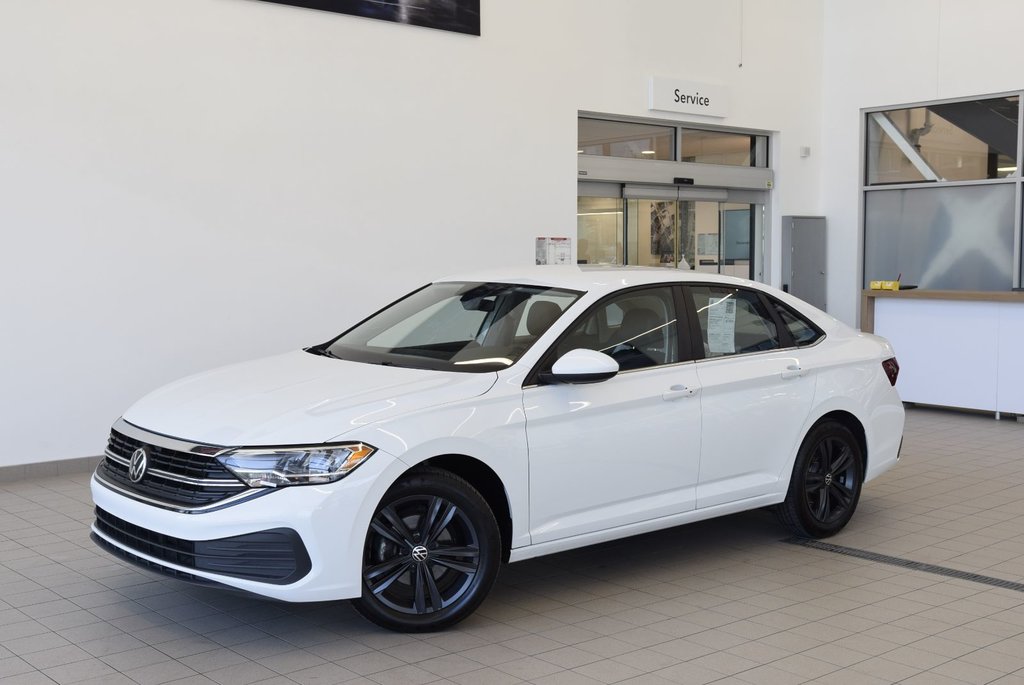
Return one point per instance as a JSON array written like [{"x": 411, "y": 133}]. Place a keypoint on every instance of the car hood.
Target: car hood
[{"x": 295, "y": 398}]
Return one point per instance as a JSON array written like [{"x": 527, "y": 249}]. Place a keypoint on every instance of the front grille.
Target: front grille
[
  {"x": 275, "y": 556},
  {"x": 172, "y": 477}
]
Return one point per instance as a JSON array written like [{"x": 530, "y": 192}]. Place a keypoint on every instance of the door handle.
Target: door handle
[
  {"x": 793, "y": 371},
  {"x": 677, "y": 392}
]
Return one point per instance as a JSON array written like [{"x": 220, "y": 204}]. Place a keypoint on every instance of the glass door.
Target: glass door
[
  {"x": 599, "y": 230},
  {"x": 707, "y": 230},
  {"x": 652, "y": 232},
  {"x": 728, "y": 237}
]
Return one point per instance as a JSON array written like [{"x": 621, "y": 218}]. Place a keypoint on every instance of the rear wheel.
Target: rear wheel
[
  {"x": 431, "y": 553},
  {"x": 826, "y": 482}
]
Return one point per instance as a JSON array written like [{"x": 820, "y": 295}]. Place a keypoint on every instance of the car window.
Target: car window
[
  {"x": 471, "y": 327},
  {"x": 803, "y": 331},
  {"x": 637, "y": 329},
  {"x": 733, "y": 321},
  {"x": 538, "y": 313},
  {"x": 442, "y": 322}
]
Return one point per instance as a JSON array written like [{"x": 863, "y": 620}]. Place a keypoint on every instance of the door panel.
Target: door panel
[
  {"x": 624, "y": 450},
  {"x": 747, "y": 374},
  {"x": 804, "y": 251},
  {"x": 612, "y": 453},
  {"x": 744, "y": 458}
]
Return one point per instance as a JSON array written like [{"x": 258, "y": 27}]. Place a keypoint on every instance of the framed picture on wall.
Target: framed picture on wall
[{"x": 462, "y": 16}]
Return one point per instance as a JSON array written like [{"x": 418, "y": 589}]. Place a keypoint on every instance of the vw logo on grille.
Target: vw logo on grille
[
  {"x": 137, "y": 465},
  {"x": 419, "y": 553}
]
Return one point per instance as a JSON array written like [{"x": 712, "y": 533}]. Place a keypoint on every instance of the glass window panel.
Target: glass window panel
[
  {"x": 637, "y": 329},
  {"x": 707, "y": 241},
  {"x": 599, "y": 230},
  {"x": 453, "y": 326},
  {"x": 736, "y": 235},
  {"x": 733, "y": 321},
  {"x": 624, "y": 139},
  {"x": 956, "y": 141},
  {"x": 803, "y": 331},
  {"x": 720, "y": 147},
  {"x": 651, "y": 229},
  {"x": 949, "y": 238}
]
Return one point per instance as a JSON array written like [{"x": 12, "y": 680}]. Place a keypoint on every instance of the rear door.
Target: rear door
[{"x": 756, "y": 393}]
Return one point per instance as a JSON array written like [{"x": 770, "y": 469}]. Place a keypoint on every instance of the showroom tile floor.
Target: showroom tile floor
[{"x": 726, "y": 601}]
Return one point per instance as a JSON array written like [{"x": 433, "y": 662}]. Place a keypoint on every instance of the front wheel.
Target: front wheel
[
  {"x": 431, "y": 553},
  {"x": 826, "y": 483}
]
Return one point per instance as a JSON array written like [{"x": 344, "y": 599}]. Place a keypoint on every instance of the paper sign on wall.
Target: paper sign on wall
[
  {"x": 722, "y": 325},
  {"x": 554, "y": 250}
]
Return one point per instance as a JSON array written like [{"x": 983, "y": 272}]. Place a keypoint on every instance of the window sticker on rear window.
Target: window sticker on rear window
[{"x": 722, "y": 325}]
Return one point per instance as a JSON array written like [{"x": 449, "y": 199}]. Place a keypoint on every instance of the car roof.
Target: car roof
[{"x": 598, "y": 278}]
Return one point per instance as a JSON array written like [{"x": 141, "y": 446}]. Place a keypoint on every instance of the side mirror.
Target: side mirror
[{"x": 583, "y": 366}]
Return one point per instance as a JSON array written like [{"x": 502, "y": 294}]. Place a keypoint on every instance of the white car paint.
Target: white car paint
[{"x": 579, "y": 464}]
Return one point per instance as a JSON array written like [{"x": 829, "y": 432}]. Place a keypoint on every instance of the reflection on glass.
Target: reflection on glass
[
  {"x": 736, "y": 239},
  {"x": 651, "y": 232},
  {"x": 705, "y": 236},
  {"x": 952, "y": 238},
  {"x": 599, "y": 230},
  {"x": 624, "y": 139},
  {"x": 720, "y": 147},
  {"x": 957, "y": 141}
]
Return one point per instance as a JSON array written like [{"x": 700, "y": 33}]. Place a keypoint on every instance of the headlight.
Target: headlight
[{"x": 275, "y": 467}]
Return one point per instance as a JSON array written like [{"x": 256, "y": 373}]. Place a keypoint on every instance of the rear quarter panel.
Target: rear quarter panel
[{"x": 850, "y": 378}]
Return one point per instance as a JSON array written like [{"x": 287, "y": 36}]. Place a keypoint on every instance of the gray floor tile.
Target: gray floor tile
[{"x": 721, "y": 601}]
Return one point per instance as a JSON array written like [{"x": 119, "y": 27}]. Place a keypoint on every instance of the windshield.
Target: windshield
[{"x": 471, "y": 327}]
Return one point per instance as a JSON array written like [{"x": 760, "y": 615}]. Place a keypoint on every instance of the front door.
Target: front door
[{"x": 624, "y": 450}]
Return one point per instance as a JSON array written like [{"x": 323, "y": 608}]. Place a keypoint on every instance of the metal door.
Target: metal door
[{"x": 804, "y": 254}]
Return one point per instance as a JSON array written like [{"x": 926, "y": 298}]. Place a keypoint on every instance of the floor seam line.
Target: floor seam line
[{"x": 907, "y": 563}]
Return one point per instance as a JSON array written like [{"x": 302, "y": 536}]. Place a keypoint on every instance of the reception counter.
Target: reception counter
[{"x": 955, "y": 348}]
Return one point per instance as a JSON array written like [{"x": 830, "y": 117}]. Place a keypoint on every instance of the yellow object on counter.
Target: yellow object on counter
[{"x": 885, "y": 285}]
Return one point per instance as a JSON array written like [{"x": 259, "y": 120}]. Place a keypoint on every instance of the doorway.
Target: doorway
[{"x": 708, "y": 229}]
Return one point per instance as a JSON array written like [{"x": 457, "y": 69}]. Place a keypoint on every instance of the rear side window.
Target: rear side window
[
  {"x": 733, "y": 321},
  {"x": 803, "y": 331}
]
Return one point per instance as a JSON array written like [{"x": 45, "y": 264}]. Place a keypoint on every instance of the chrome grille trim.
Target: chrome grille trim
[
  {"x": 233, "y": 483},
  {"x": 181, "y": 509},
  {"x": 136, "y": 433},
  {"x": 181, "y": 476}
]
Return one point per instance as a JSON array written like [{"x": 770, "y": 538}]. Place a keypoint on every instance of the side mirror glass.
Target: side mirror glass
[{"x": 583, "y": 366}]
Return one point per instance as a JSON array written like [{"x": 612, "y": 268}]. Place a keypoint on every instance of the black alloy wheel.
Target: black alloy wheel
[
  {"x": 431, "y": 553},
  {"x": 826, "y": 483}
]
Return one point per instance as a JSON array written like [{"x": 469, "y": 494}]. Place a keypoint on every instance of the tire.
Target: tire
[
  {"x": 826, "y": 482},
  {"x": 431, "y": 553}
]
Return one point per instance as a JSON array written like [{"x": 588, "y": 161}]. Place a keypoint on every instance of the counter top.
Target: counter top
[{"x": 868, "y": 297}]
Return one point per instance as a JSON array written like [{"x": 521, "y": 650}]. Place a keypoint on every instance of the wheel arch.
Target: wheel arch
[
  {"x": 854, "y": 425},
  {"x": 487, "y": 483}
]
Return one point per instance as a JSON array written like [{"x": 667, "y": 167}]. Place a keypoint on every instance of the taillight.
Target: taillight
[{"x": 892, "y": 369}]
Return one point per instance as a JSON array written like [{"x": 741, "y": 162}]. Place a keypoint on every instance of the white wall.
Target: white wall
[
  {"x": 188, "y": 183},
  {"x": 879, "y": 53}
]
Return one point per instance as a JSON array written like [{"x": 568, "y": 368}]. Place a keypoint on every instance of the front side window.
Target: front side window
[
  {"x": 733, "y": 321},
  {"x": 471, "y": 327},
  {"x": 637, "y": 329}
]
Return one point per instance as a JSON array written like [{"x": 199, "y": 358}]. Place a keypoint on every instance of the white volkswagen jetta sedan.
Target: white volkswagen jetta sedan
[{"x": 498, "y": 417}]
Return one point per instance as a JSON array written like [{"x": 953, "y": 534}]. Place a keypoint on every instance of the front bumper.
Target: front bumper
[{"x": 328, "y": 522}]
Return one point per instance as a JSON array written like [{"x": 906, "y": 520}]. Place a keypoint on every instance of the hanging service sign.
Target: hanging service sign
[{"x": 689, "y": 97}]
